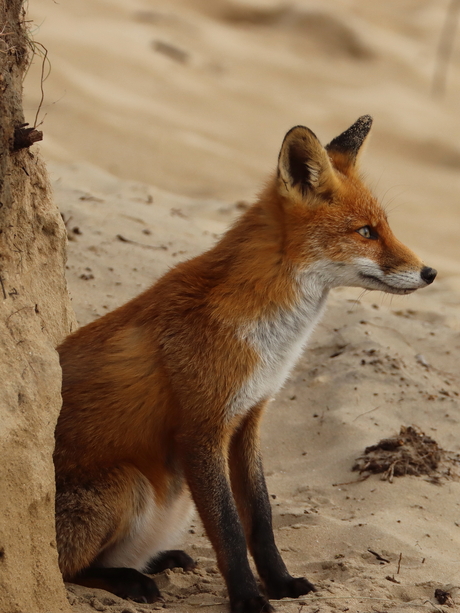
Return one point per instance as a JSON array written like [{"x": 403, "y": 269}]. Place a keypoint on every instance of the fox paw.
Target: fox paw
[
  {"x": 123, "y": 582},
  {"x": 139, "y": 589},
  {"x": 256, "y": 604},
  {"x": 175, "y": 558},
  {"x": 292, "y": 588}
]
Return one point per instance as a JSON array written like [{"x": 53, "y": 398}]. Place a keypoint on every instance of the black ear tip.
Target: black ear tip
[
  {"x": 365, "y": 121},
  {"x": 351, "y": 140},
  {"x": 362, "y": 126},
  {"x": 360, "y": 129}
]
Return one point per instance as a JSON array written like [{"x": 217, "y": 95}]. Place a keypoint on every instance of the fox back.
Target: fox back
[{"x": 163, "y": 396}]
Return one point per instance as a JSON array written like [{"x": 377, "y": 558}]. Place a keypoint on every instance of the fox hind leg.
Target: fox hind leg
[{"x": 91, "y": 517}]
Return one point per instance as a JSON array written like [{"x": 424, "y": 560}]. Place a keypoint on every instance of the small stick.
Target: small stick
[
  {"x": 377, "y": 555},
  {"x": 366, "y": 413},
  {"x": 363, "y": 478},
  {"x": 123, "y": 239},
  {"x": 392, "y": 579},
  {"x": 399, "y": 563},
  {"x": 3, "y": 289},
  {"x": 434, "y": 606},
  {"x": 312, "y": 599}
]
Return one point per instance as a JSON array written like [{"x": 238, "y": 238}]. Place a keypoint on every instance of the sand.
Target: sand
[{"x": 162, "y": 119}]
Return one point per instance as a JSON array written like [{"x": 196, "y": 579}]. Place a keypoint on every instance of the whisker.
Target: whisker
[{"x": 356, "y": 302}]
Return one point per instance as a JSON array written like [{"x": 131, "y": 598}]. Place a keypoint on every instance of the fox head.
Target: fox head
[{"x": 333, "y": 221}]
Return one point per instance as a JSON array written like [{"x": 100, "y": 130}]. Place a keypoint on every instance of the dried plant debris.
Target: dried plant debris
[
  {"x": 411, "y": 452},
  {"x": 444, "y": 597}
]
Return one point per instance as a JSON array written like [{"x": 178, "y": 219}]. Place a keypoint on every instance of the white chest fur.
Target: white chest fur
[{"x": 278, "y": 341}]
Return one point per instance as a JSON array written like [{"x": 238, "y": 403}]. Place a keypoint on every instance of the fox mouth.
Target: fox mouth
[{"x": 386, "y": 287}]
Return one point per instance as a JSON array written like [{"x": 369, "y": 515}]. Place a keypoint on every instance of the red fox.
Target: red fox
[{"x": 163, "y": 397}]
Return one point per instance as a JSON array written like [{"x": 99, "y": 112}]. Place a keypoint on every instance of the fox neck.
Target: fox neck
[
  {"x": 275, "y": 304},
  {"x": 260, "y": 282}
]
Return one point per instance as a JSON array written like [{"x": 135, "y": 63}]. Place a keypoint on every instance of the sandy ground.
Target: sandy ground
[{"x": 162, "y": 119}]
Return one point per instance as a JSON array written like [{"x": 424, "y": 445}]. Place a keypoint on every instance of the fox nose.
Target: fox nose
[{"x": 428, "y": 274}]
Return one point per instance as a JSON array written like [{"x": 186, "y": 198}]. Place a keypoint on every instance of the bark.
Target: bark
[{"x": 35, "y": 315}]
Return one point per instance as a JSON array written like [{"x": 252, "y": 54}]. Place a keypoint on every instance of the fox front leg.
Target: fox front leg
[
  {"x": 206, "y": 469},
  {"x": 250, "y": 490}
]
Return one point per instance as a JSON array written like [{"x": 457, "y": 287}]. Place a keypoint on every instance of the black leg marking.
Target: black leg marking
[
  {"x": 290, "y": 588},
  {"x": 175, "y": 558},
  {"x": 123, "y": 582}
]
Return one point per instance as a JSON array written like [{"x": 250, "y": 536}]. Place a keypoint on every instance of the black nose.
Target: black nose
[{"x": 428, "y": 274}]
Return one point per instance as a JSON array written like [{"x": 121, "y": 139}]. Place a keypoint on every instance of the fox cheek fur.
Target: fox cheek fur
[{"x": 163, "y": 397}]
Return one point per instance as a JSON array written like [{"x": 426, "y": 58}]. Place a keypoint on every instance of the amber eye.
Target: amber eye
[{"x": 368, "y": 232}]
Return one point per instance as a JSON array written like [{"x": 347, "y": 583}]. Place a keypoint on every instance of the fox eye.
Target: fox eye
[{"x": 368, "y": 232}]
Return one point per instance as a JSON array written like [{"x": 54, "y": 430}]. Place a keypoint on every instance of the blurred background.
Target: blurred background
[{"x": 195, "y": 96}]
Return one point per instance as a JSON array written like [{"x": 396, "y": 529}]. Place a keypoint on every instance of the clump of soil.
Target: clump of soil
[{"x": 411, "y": 452}]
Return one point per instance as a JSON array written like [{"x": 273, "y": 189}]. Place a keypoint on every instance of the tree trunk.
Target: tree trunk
[{"x": 35, "y": 315}]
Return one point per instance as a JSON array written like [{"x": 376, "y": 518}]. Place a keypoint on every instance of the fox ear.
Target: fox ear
[
  {"x": 344, "y": 149},
  {"x": 303, "y": 165}
]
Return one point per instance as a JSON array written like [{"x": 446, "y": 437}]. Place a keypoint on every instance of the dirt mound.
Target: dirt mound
[{"x": 411, "y": 452}]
